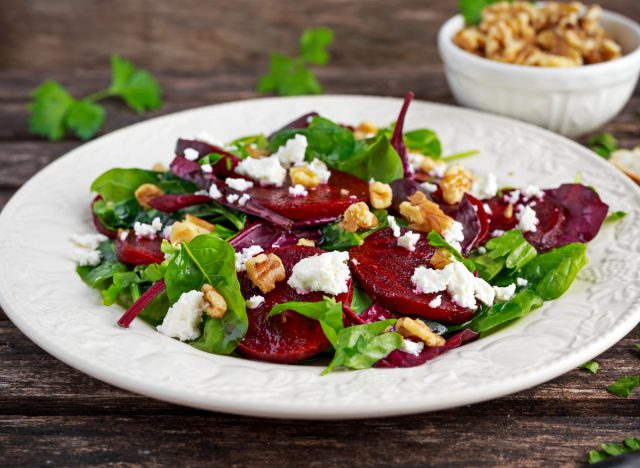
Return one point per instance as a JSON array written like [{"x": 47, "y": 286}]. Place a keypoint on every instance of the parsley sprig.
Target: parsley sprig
[
  {"x": 291, "y": 76},
  {"x": 632, "y": 444},
  {"x": 54, "y": 112}
]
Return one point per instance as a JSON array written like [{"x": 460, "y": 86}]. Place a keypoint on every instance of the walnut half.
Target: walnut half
[
  {"x": 424, "y": 215},
  {"x": 265, "y": 270},
  {"x": 217, "y": 307},
  {"x": 456, "y": 181},
  {"x": 358, "y": 216},
  {"x": 410, "y": 328},
  {"x": 147, "y": 192}
]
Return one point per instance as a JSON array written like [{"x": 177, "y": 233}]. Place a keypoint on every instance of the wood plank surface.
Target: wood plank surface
[{"x": 209, "y": 52}]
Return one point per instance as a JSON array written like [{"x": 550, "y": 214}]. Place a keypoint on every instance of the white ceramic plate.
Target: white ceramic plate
[{"x": 42, "y": 295}]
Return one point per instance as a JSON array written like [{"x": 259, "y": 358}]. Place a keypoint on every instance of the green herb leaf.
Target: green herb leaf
[
  {"x": 137, "y": 87},
  {"x": 85, "y": 118},
  {"x": 437, "y": 241},
  {"x": 591, "y": 366},
  {"x": 313, "y": 45},
  {"x": 637, "y": 346},
  {"x": 423, "y": 141},
  {"x": 631, "y": 444},
  {"x": 499, "y": 314},
  {"x": 361, "y": 346},
  {"x": 595, "y": 456},
  {"x": 118, "y": 185},
  {"x": 472, "y": 10},
  {"x": 511, "y": 250},
  {"x": 615, "y": 216},
  {"x": 49, "y": 109},
  {"x": 603, "y": 144},
  {"x": 360, "y": 300},
  {"x": 209, "y": 259},
  {"x": 624, "y": 385},
  {"x": 288, "y": 77},
  {"x": 378, "y": 161}
]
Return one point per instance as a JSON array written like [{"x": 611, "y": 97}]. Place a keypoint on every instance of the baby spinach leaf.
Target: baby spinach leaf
[
  {"x": 378, "y": 161},
  {"x": 624, "y": 385},
  {"x": 328, "y": 312},
  {"x": 360, "y": 300},
  {"x": 209, "y": 259},
  {"x": 361, "y": 346},
  {"x": 121, "y": 280},
  {"x": 511, "y": 250},
  {"x": 591, "y": 366},
  {"x": 437, "y": 241},
  {"x": 499, "y": 314},
  {"x": 336, "y": 238},
  {"x": 100, "y": 276},
  {"x": 423, "y": 141},
  {"x": 118, "y": 185}
]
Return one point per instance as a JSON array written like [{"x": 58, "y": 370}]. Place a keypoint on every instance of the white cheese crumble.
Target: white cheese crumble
[
  {"x": 533, "y": 191},
  {"x": 393, "y": 224},
  {"x": 411, "y": 347},
  {"x": 85, "y": 257},
  {"x": 232, "y": 198},
  {"x": 416, "y": 160},
  {"x": 436, "y": 301},
  {"x": 184, "y": 317},
  {"x": 438, "y": 169},
  {"x": 191, "y": 154},
  {"x": 522, "y": 282},
  {"x": 298, "y": 191},
  {"x": 428, "y": 187},
  {"x": 244, "y": 199},
  {"x": 459, "y": 282},
  {"x": 454, "y": 235},
  {"x": 485, "y": 188},
  {"x": 246, "y": 254},
  {"x": 506, "y": 293},
  {"x": 527, "y": 219},
  {"x": 266, "y": 171},
  {"x": 321, "y": 170},
  {"x": 206, "y": 168},
  {"x": 512, "y": 197},
  {"x": 497, "y": 233},
  {"x": 327, "y": 272},
  {"x": 254, "y": 302},
  {"x": 238, "y": 184},
  {"x": 482, "y": 250},
  {"x": 292, "y": 152},
  {"x": 88, "y": 241},
  {"x": 487, "y": 208},
  {"x": 214, "y": 192},
  {"x": 409, "y": 240},
  {"x": 148, "y": 230}
]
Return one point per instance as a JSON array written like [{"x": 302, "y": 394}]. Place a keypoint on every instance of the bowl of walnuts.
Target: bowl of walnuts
[{"x": 567, "y": 67}]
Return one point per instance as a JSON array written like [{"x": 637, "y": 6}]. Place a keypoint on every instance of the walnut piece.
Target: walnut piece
[
  {"x": 441, "y": 258},
  {"x": 159, "y": 167},
  {"x": 304, "y": 175},
  {"x": 358, "y": 216},
  {"x": 217, "y": 305},
  {"x": 147, "y": 192},
  {"x": 256, "y": 152},
  {"x": 380, "y": 195},
  {"x": 365, "y": 130},
  {"x": 456, "y": 181},
  {"x": 200, "y": 222},
  {"x": 265, "y": 270},
  {"x": 187, "y": 230},
  {"x": 306, "y": 242},
  {"x": 424, "y": 215},
  {"x": 410, "y": 328}
]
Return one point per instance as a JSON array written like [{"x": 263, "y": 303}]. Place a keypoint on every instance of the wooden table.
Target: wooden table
[{"x": 53, "y": 414}]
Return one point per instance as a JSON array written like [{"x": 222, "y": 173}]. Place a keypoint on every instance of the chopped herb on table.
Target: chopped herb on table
[
  {"x": 603, "y": 144},
  {"x": 591, "y": 366},
  {"x": 624, "y": 385},
  {"x": 606, "y": 451}
]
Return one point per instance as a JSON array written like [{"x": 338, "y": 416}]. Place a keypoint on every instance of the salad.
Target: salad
[{"x": 326, "y": 243}]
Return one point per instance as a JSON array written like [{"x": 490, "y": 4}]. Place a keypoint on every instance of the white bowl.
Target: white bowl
[{"x": 571, "y": 101}]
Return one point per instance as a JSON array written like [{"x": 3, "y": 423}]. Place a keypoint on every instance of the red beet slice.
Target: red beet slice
[
  {"x": 134, "y": 250},
  {"x": 287, "y": 337},
  {"x": 483, "y": 219},
  {"x": 266, "y": 235},
  {"x": 224, "y": 167},
  {"x": 102, "y": 229},
  {"x": 325, "y": 201},
  {"x": 384, "y": 271},
  {"x": 174, "y": 202}
]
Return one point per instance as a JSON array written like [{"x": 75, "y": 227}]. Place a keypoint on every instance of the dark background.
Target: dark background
[{"x": 208, "y": 52}]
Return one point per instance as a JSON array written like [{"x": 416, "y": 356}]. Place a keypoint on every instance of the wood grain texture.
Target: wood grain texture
[{"x": 209, "y": 52}]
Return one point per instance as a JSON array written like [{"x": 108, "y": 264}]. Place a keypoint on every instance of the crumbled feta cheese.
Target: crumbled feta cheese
[
  {"x": 85, "y": 257},
  {"x": 206, "y": 168},
  {"x": 393, "y": 224},
  {"x": 266, "y": 171},
  {"x": 254, "y": 302},
  {"x": 123, "y": 235},
  {"x": 202, "y": 192},
  {"x": 327, "y": 272},
  {"x": 148, "y": 230},
  {"x": 298, "y": 191},
  {"x": 533, "y": 191},
  {"x": 487, "y": 208},
  {"x": 512, "y": 197},
  {"x": 293, "y": 151},
  {"x": 166, "y": 232},
  {"x": 522, "y": 282},
  {"x": 238, "y": 184},
  {"x": 321, "y": 170},
  {"x": 232, "y": 198},
  {"x": 506, "y": 293},
  {"x": 191, "y": 154},
  {"x": 88, "y": 241},
  {"x": 408, "y": 240},
  {"x": 457, "y": 280},
  {"x": 416, "y": 160},
  {"x": 184, "y": 317},
  {"x": 244, "y": 199},
  {"x": 438, "y": 169},
  {"x": 482, "y": 250},
  {"x": 246, "y": 254},
  {"x": 428, "y": 187},
  {"x": 214, "y": 192},
  {"x": 436, "y": 301},
  {"x": 411, "y": 347},
  {"x": 454, "y": 235},
  {"x": 497, "y": 233},
  {"x": 527, "y": 219},
  {"x": 485, "y": 188}
]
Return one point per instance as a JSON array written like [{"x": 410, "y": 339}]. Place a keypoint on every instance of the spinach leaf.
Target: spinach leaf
[
  {"x": 423, "y": 141},
  {"x": 360, "y": 300},
  {"x": 624, "y": 385},
  {"x": 553, "y": 272},
  {"x": 499, "y": 314},
  {"x": 378, "y": 161},
  {"x": 118, "y": 185},
  {"x": 114, "y": 215},
  {"x": 121, "y": 281},
  {"x": 328, "y": 312},
  {"x": 511, "y": 250},
  {"x": 361, "y": 346},
  {"x": 101, "y": 275},
  {"x": 437, "y": 241},
  {"x": 209, "y": 259},
  {"x": 336, "y": 238}
]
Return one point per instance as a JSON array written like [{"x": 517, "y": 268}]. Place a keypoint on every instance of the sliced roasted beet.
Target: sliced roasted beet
[
  {"x": 287, "y": 337},
  {"x": 224, "y": 167},
  {"x": 266, "y": 235},
  {"x": 375, "y": 313},
  {"x": 134, "y": 250},
  {"x": 384, "y": 271},
  {"x": 102, "y": 229},
  {"x": 325, "y": 201},
  {"x": 400, "y": 359},
  {"x": 483, "y": 219},
  {"x": 174, "y": 202}
]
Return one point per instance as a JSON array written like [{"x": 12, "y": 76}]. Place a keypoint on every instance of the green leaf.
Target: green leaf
[
  {"x": 615, "y": 216},
  {"x": 472, "y": 10},
  {"x": 511, "y": 250},
  {"x": 437, "y": 241},
  {"x": 591, "y": 366},
  {"x": 361, "y": 346},
  {"x": 637, "y": 346},
  {"x": 209, "y": 259},
  {"x": 378, "y": 161},
  {"x": 624, "y": 385},
  {"x": 288, "y": 77},
  {"x": 328, "y": 312},
  {"x": 499, "y": 314},
  {"x": 101, "y": 275},
  {"x": 85, "y": 118},
  {"x": 360, "y": 300},
  {"x": 631, "y": 444},
  {"x": 137, "y": 87},
  {"x": 121, "y": 281},
  {"x": 336, "y": 238},
  {"x": 313, "y": 44},
  {"x": 423, "y": 141},
  {"x": 595, "y": 456},
  {"x": 48, "y": 110},
  {"x": 615, "y": 449},
  {"x": 118, "y": 185},
  {"x": 603, "y": 144}
]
